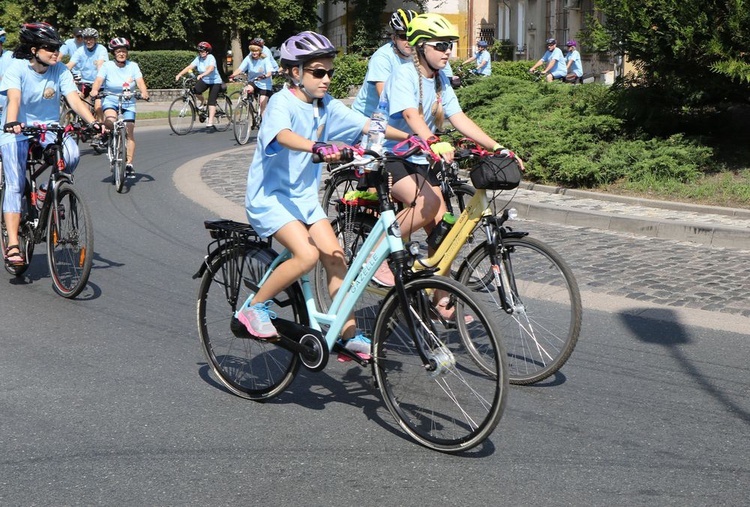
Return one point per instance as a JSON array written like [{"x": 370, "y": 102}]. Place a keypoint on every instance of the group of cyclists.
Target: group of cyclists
[
  {"x": 407, "y": 74},
  {"x": 32, "y": 83}
]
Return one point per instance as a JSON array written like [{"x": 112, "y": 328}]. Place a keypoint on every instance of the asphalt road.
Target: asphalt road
[{"x": 107, "y": 399}]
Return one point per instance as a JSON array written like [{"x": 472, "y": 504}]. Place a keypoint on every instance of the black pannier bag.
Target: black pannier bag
[{"x": 496, "y": 172}]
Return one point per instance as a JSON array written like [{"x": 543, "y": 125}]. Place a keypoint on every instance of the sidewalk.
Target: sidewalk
[{"x": 226, "y": 174}]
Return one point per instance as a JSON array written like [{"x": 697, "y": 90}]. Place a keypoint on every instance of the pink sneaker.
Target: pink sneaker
[
  {"x": 257, "y": 320},
  {"x": 384, "y": 276}
]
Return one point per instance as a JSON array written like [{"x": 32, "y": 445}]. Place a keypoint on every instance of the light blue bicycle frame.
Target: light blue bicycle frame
[{"x": 357, "y": 277}]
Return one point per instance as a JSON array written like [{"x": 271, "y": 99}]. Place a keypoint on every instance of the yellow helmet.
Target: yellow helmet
[{"x": 429, "y": 26}]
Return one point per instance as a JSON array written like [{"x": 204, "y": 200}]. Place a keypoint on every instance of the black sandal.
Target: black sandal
[{"x": 20, "y": 259}]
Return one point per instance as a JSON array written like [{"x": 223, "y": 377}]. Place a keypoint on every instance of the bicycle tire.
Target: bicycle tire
[
  {"x": 223, "y": 116},
  {"x": 456, "y": 406},
  {"x": 368, "y": 305},
  {"x": 250, "y": 368},
  {"x": 242, "y": 122},
  {"x": 70, "y": 241},
  {"x": 542, "y": 331},
  {"x": 254, "y": 107},
  {"x": 120, "y": 158},
  {"x": 181, "y": 115}
]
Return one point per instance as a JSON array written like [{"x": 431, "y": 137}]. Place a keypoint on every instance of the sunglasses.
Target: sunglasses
[
  {"x": 441, "y": 46},
  {"x": 51, "y": 49},
  {"x": 320, "y": 73},
  {"x": 401, "y": 36}
]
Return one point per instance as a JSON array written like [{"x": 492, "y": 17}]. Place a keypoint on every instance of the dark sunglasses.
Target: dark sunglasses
[
  {"x": 50, "y": 48},
  {"x": 441, "y": 46},
  {"x": 320, "y": 73},
  {"x": 401, "y": 36}
]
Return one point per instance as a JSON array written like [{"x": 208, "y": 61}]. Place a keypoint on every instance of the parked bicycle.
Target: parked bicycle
[
  {"x": 117, "y": 139},
  {"x": 246, "y": 112},
  {"x": 444, "y": 379},
  {"x": 56, "y": 214},
  {"x": 184, "y": 110},
  {"x": 532, "y": 289}
]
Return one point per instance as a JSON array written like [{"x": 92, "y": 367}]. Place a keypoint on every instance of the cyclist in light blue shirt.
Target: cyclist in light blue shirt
[
  {"x": 554, "y": 61},
  {"x": 483, "y": 59},
  {"x": 258, "y": 41},
  {"x": 33, "y": 84},
  {"x": 259, "y": 68},
  {"x": 208, "y": 78},
  {"x": 86, "y": 60},
  {"x": 383, "y": 62},
  {"x": 573, "y": 62},
  {"x": 116, "y": 76},
  {"x": 5, "y": 59},
  {"x": 71, "y": 45}
]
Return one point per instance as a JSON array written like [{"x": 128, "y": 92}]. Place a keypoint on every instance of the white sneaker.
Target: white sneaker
[{"x": 359, "y": 344}]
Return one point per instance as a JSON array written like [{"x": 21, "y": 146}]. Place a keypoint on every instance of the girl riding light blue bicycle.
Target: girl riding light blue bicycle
[{"x": 282, "y": 185}]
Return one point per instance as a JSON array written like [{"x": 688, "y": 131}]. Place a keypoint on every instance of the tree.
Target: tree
[{"x": 694, "y": 51}]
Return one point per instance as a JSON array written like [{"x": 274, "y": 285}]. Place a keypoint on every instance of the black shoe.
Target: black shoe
[{"x": 129, "y": 171}]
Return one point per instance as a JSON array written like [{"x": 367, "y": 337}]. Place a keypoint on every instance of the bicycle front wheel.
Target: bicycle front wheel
[
  {"x": 223, "y": 117},
  {"x": 250, "y": 368},
  {"x": 445, "y": 401},
  {"x": 120, "y": 152},
  {"x": 242, "y": 120},
  {"x": 70, "y": 241},
  {"x": 543, "y": 318},
  {"x": 335, "y": 189},
  {"x": 181, "y": 116}
]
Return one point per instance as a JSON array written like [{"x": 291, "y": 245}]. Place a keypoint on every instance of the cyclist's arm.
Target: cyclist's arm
[
  {"x": 550, "y": 65},
  {"x": 391, "y": 133},
  {"x": 206, "y": 72},
  {"x": 468, "y": 128},
  {"x": 96, "y": 85},
  {"x": 379, "y": 86},
  {"x": 12, "y": 106},
  {"x": 293, "y": 141},
  {"x": 416, "y": 123},
  {"x": 184, "y": 71},
  {"x": 141, "y": 83},
  {"x": 537, "y": 64},
  {"x": 469, "y": 60}
]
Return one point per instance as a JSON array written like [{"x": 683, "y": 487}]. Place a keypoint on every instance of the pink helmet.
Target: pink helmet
[{"x": 119, "y": 42}]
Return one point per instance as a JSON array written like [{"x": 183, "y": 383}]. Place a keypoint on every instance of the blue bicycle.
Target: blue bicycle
[{"x": 444, "y": 379}]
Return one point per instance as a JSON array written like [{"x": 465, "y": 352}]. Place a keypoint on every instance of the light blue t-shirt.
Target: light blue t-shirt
[
  {"x": 483, "y": 57},
  {"x": 254, "y": 68},
  {"x": 402, "y": 92},
  {"x": 40, "y": 94},
  {"x": 69, "y": 47},
  {"x": 114, "y": 79},
  {"x": 84, "y": 61},
  {"x": 560, "y": 69},
  {"x": 382, "y": 64},
  {"x": 201, "y": 64},
  {"x": 282, "y": 184},
  {"x": 575, "y": 67},
  {"x": 269, "y": 56},
  {"x": 5, "y": 60}
]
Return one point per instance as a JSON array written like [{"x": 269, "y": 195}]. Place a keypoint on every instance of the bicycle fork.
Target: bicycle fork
[{"x": 502, "y": 270}]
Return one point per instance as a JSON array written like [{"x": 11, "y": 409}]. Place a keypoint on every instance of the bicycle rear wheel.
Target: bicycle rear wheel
[
  {"x": 25, "y": 231},
  {"x": 70, "y": 241},
  {"x": 181, "y": 116},
  {"x": 450, "y": 404},
  {"x": 248, "y": 367},
  {"x": 223, "y": 117},
  {"x": 542, "y": 330},
  {"x": 242, "y": 121},
  {"x": 120, "y": 153},
  {"x": 335, "y": 188}
]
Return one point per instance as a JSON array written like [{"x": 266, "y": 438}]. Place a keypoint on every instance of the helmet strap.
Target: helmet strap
[{"x": 37, "y": 60}]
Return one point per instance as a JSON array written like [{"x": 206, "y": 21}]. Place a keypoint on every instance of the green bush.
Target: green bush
[
  {"x": 160, "y": 67},
  {"x": 350, "y": 72},
  {"x": 568, "y": 135}
]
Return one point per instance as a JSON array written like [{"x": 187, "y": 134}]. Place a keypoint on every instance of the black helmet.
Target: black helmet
[{"x": 37, "y": 34}]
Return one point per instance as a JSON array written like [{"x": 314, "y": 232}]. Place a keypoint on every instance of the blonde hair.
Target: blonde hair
[
  {"x": 257, "y": 48},
  {"x": 437, "y": 106}
]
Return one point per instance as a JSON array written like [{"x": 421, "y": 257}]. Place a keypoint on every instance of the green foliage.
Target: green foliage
[
  {"x": 160, "y": 67},
  {"x": 369, "y": 26},
  {"x": 350, "y": 72},
  {"x": 502, "y": 50},
  {"x": 684, "y": 49},
  {"x": 567, "y": 135}
]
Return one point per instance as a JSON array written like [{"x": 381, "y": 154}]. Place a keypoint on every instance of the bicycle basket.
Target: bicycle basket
[{"x": 496, "y": 172}]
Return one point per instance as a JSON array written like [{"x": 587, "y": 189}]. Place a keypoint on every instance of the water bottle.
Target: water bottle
[
  {"x": 378, "y": 124},
  {"x": 440, "y": 231},
  {"x": 41, "y": 193}
]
